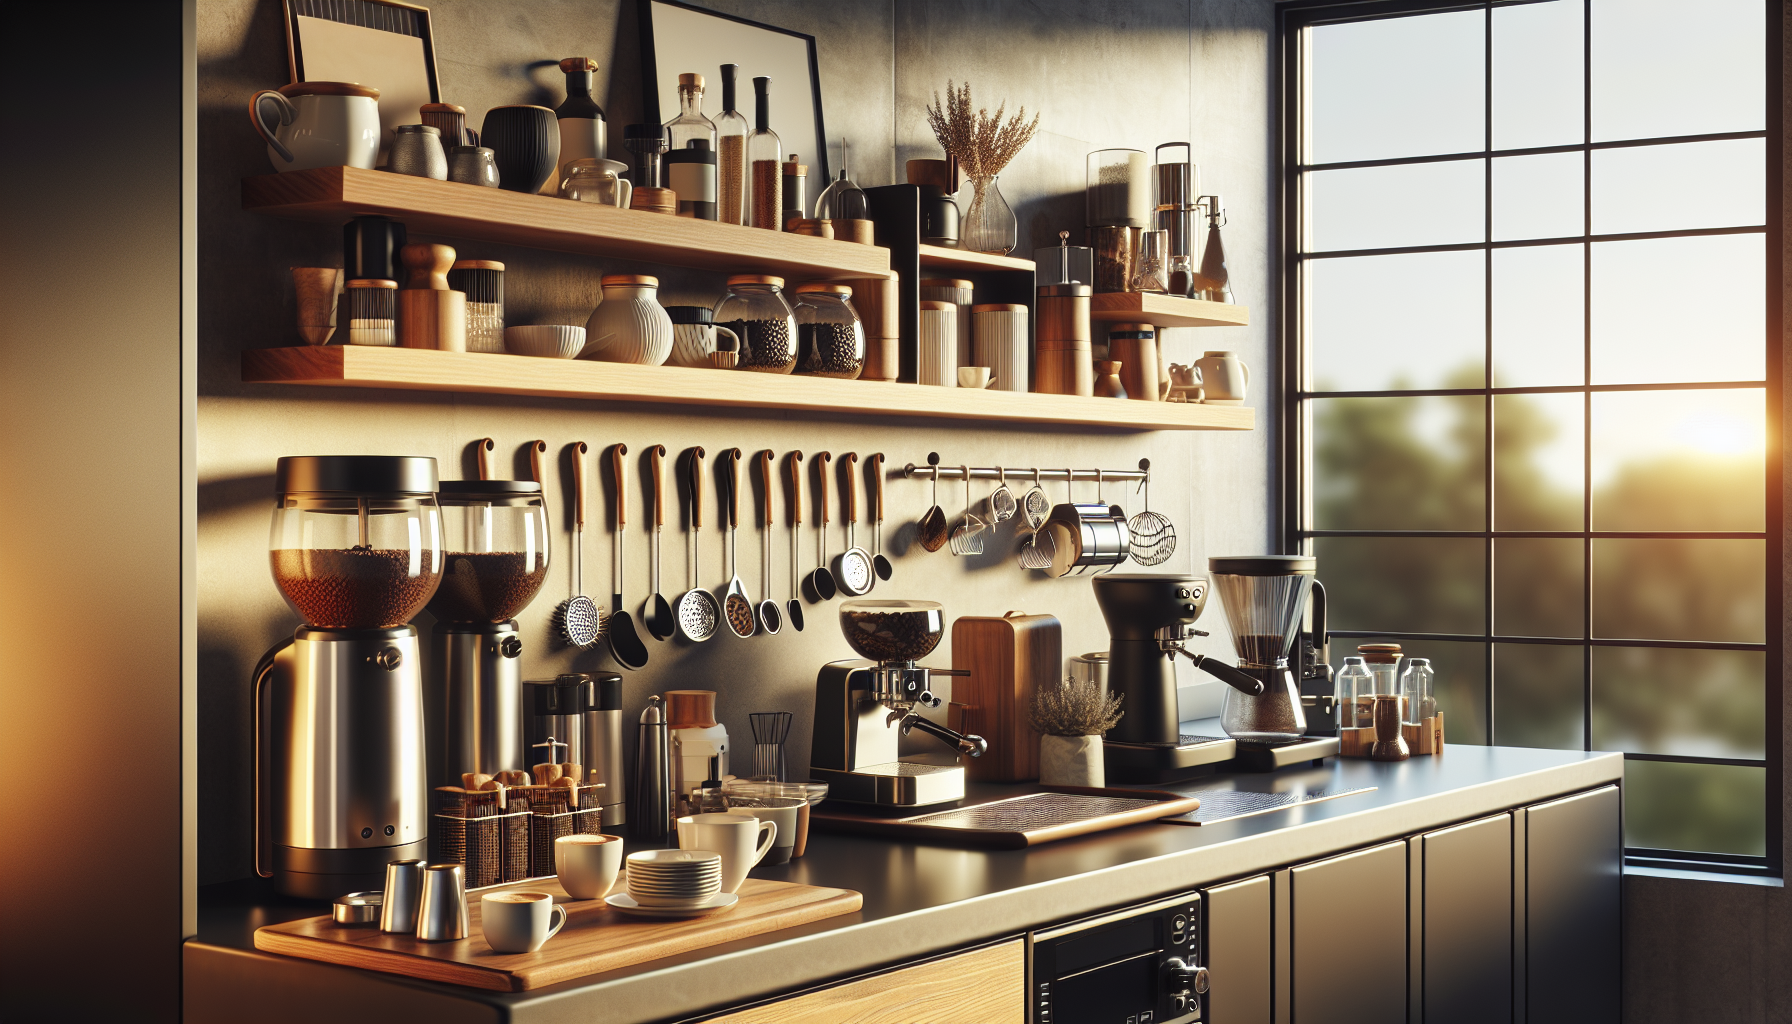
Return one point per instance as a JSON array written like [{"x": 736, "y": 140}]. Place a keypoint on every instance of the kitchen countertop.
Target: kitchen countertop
[{"x": 920, "y": 900}]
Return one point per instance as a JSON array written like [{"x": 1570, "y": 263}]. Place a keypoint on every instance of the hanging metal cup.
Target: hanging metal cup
[{"x": 1088, "y": 538}]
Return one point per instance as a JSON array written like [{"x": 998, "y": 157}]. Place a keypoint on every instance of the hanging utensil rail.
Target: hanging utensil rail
[{"x": 995, "y": 472}]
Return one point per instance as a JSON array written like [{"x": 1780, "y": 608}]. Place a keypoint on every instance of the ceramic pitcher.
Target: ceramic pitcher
[
  {"x": 629, "y": 325},
  {"x": 1224, "y": 375},
  {"x": 318, "y": 124}
]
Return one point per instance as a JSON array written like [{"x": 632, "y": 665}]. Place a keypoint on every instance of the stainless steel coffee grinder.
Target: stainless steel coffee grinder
[
  {"x": 356, "y": 550},
  {"x": 862, "y": 707},
  {"x": 496, "y": 536}
]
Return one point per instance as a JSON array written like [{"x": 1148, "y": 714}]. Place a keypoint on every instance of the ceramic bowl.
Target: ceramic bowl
[{"x": 552, "y": 341}]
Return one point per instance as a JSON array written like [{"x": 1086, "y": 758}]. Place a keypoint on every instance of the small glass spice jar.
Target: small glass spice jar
[
  {"x": 830, "y": 338},
  {"x": 1418, "y": 693},
  {"x": 755, "y": 309},
  {"x": 372, "y": 311},
  {"x": 483, "y": 281}
]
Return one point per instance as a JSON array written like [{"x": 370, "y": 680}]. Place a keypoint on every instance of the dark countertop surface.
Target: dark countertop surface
[{"x": 919, "y": 900}]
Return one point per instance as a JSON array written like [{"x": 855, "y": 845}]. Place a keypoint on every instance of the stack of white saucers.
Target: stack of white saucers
[{"x": 674, "y": 879}]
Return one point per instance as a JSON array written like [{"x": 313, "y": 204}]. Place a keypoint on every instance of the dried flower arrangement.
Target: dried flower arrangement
[
  {"x": 1074, "y": 709},
  {"x": 982, "y": 145}
]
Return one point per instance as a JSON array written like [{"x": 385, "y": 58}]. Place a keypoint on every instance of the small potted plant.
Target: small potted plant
[{"x": 1070, "y": 720}]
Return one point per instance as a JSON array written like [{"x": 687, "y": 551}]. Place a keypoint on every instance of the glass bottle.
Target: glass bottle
[
  {"x": 581, "y": 119},
  {"x": 691, "y": 158},
  {"x": 1356, "y": 695},
  {"x": 731, "y": 150},
  {"x": 842, "y": 200},
  {"x": 765, "y": 156},
  {"x": 1213, "y": 282},
  {"x": 1418, "y": 696}
]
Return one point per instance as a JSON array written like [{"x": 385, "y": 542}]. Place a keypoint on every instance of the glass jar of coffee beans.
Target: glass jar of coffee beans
[
  {"x": 830, "y": 338},
  {"x": 754, "y": 308}
]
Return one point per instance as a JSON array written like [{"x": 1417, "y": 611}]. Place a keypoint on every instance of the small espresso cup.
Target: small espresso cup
[
  {"x": 731, "y": 837},
  {"x": 519, "y": 922},
  {"x": 587, "y": 865},
  {"x": 973, "y": 377}
]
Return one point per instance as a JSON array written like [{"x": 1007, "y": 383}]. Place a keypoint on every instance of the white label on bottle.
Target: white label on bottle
[
  {"x": 692, "y": 182},
  {"x": 581, "y": 138}
]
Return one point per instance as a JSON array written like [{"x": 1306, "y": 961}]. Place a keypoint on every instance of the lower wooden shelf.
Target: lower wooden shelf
[
  {"x": 1165, "y": 310},
  {"x": 428, "y": 370}
]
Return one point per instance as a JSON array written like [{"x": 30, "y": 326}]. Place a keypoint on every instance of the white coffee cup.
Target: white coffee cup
[
  {"x": 318, "y": 124},
  {"x": 731, "y": 837},
  {"x": 587, "y": 865},
  {"x": 976, "y": 377},
  {"x": 520, "y": 922},
  {"x": 783, "y": 811}
]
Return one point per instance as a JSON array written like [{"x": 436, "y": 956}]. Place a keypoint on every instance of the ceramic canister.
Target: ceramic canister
[
  {"x": 629, "y": 325},
  {"x": 526, "y": 142},
  {"x": 694, "y": 336},
  {"x": 937, "y": 357},
  {"x": 999, "y": 341},
  {"x": 1224, "y": 376},
  {"x": 318, "y": 124}
]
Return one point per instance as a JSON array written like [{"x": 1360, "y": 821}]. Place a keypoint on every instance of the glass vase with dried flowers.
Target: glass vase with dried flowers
[{"x": 982, "y": 145}]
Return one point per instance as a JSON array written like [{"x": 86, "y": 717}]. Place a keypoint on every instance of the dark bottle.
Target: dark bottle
[{"x": 581, "y": 119}]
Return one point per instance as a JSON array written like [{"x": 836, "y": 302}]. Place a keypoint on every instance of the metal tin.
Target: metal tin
[
  {"x": 442, "y": 910},
  {"x": 417, "y": 150},
  {"x": 1088, "y": 538},
  {"x": 473, "y": 165},
  {"x": 404, "y": 886},
  {"x": 357, "y": 908}
]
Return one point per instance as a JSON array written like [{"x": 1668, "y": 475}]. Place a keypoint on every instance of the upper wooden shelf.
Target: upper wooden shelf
[
  {"x": 451, "y": 209},
  {"x": 935, "y": 257},
  {"x": 1165, "y": 310},
  {"x": 429, "y": 370}
]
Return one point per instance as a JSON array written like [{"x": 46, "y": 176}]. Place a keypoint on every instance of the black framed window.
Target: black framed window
[{"x": 1532, "y": 371}]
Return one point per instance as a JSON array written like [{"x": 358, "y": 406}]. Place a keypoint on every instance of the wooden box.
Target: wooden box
[
  {"x": 1424, "y": 738},
  {"x": 1006, "y": 658}
]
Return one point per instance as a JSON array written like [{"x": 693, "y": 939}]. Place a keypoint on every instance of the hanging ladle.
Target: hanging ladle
[
  {"x": 658, "y": 612},
  {"x": 625, "y": 644},
  {"x": 878, "y": 562},
  {"x": 795, "y": 606},
  {"x": 933, "y": 531},
  {"x": 771, "y": 619},
  {"x": 819, "y": 585}
]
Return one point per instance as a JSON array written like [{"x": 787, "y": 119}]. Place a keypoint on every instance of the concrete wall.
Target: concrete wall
[{"x": 1134, "y": 73}]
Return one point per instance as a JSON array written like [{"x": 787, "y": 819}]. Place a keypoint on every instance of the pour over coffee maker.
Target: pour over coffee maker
[
  {"x": 862, "y": 707},
  {"x": 356, "y": 550},
  {"x": 1266, "y": 598},
  {"x": 496, "y": 536}
]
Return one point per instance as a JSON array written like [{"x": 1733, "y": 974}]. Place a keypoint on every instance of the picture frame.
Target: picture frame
[
  {"x": 677, "y": 38},
  {"x": 386, "y": 44}
]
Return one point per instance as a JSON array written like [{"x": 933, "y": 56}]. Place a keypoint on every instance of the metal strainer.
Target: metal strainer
[
  {"x": 1153, "y": 537},
  {"x": 967, "y": 538},
  {"x": 1001, "y": 500},
  {"x": 1034, "y": 508},
  {"x": 1034, "y": 505}
]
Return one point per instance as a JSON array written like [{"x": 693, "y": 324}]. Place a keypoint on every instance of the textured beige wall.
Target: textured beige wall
[{"x": 1113, "y": 74}]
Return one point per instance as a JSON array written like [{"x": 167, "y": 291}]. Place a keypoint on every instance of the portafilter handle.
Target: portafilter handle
[
  {"x": 964, "y": 743},
  {"x": 1231, "y": 675}
]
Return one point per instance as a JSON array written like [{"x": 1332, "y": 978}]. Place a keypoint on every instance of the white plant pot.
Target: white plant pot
[{"x": 1071, "y": 761}]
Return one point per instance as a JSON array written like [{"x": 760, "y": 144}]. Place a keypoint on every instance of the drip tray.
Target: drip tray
[{"x": 1225, "y": 804}]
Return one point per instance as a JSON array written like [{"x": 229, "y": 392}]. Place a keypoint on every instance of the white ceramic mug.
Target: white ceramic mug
[
  {"x": 629, "y": 325},
  {"x": 783, "y": 811},
  {"x": 587, "y": 865},
  {"x": 937, "y": 358},
  {"x": 974, "y": 377},
  {"x": 1224, "y": 375},
  {"x": 693, "y": 344},
  {"x": 519, "y": 922},
  {"x": 731, "y": 837},
  {"x": 318, "y": 124}
]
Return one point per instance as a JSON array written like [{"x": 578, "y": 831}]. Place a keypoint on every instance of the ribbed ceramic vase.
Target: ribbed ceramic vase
[
  {"x": 526, "y": 143},
  {"x": 629, "y": 325}
]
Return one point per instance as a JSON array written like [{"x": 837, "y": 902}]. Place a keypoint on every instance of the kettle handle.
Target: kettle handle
[
  {"x": 288, "y": 114},
  {"x": 264, "y": 840},
  {"x": 1318, "y": 606}
]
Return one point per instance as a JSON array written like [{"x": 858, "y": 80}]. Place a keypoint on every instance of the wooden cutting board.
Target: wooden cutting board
[{"x": 596, "y": 938}]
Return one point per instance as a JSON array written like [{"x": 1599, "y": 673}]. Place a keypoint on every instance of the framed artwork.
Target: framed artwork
[
  {"x": 381, "y": 43},
  {"x": 677, "y": 38}
]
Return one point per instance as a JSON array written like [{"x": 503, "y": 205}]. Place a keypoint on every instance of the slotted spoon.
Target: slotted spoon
[
  {"x": 967, "y": 537},
  {"x": 1153, "y": 536},
  {"x": 580, "y": 620},
  {"x": 698, "y": 612},
  {"x": 736, "y": 608}
]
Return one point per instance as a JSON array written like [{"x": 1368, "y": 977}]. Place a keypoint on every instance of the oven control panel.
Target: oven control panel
[{"x": 1135, "y": 966}]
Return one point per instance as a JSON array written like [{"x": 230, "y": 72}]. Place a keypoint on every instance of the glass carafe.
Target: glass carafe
[
  {"x": 496, "y": 537},
  {"x": 765, "y": 158},
  {"x": 732, "y": 130}
]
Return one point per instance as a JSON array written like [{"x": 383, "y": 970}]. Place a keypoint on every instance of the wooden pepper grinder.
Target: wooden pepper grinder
[
  {"x": 430, "y": 314},
  {"x": 1390, "y": 744}
]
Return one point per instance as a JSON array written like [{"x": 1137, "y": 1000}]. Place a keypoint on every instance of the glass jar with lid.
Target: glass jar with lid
[
  {"x": 1418, "y": 695},
  {"x": 830, "y": 338},
  {"x": 1384, "y": 664},
  {"x": 495, "y": 533},
  {"x": 356, "y": 541},
  {"x": 595, "y": 180},
  {"x": 754, "y": 308},
  {"x": 1356, "y": 695}
]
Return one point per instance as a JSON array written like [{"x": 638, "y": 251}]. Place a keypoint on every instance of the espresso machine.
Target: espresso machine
[
  {"x": 496, "y": 536},
  {"x": 863, "y": 707},
  {"x": 356, "y": 551}
]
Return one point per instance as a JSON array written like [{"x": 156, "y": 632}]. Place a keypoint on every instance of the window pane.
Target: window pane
[
  {"x": 1662, "y": 67},
  {"x": 1537, "y": 587},
  {"x": 1679, "y": 461},
  {"x": 1461, "y": 683},
  {"x": 1537, "y": 695},
  {"x": 1711, "y": 590},
  {"x": 1365, "y": 102},
  {"x": 1665, "y": 701},
  {"x": 1538, "y": 454},
  {"x": 1387, "y": 207},
  {"x": 1432, "y": 338},
  {"x": 1537, "y": 78},
  {"x": 1539, "y": 302},
  {"x": 1678, "y": 309},
  {"x": 1539, "y": 196},
  {"x": 1399, "y": 464},
  {"x": 1710, "y": 808},
  {"x": 1406, "y": 584},
  {"x": 1668, "y": 188}
]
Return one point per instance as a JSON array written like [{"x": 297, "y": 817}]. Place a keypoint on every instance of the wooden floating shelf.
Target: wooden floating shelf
[
  {"x": 454, "y": 210},
  {"x": 935, "y": 257},
  {"x": 429, "y": 370},
  {"x": 1165, "y": 310}
]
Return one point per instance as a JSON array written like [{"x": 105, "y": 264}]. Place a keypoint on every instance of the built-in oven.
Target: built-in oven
[{"x": 1140, "y": 965}]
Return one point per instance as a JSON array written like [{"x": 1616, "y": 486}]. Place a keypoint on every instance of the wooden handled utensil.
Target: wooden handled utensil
[
  {"x": 736, "y": 608},
  {"x": 698, "y": 610},
  {"x": 580, "y": 620},
  {"x": 795, "y": 607},
  {"x": 657, "y": 612},
  {"x": 819, "y": 585},
  {"x": 879, "y": 563},
  {"x": 771, "y": 619},
  {"x": 625, "y": 643}
]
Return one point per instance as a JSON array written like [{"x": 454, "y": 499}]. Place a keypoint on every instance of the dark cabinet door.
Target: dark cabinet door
[
  {"x": 1573, "y": 861},
  {"x": 1347, "y": 945},
  {"x": 1238, "y": 952},
  {"x": 1465, "y": 923}
]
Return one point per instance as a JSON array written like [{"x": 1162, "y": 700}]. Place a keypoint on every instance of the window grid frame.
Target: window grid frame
[{"x": 1294, "y": 445}]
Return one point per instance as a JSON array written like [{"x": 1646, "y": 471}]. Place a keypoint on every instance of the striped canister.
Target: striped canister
[
  {"x": 957, "y": 291},
  {"x": 937, "y": 359},
  {"x": 999, "y": 340}
]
